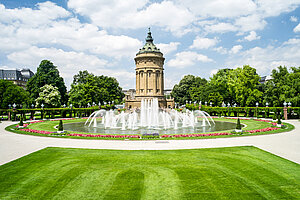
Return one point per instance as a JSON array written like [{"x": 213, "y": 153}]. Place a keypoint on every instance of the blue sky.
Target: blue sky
[{"x": 196, "y": 36}]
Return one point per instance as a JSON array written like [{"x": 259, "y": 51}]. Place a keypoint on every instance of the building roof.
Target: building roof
[{"x": 149, "y": 47}]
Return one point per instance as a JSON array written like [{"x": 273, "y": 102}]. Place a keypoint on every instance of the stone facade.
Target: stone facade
[{"x": 149, "y": 63}]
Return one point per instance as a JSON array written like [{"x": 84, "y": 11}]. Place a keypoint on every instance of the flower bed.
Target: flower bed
[
  {"x": 24, "y": 125},
  {"x": 62, "y": 119},
  {"x": 193, "y": 135},
  {"x": 103, "y": 136},
  {"x": 36, "y": 131},
  {"x": 263, "y": 130}
]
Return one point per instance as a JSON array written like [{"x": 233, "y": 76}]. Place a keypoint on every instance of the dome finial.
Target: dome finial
[{"x": 149, "y": 37}]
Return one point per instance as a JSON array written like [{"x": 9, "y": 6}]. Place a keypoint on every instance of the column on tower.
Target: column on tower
[
  {"x": 145, "y": 82},
  {"x": 137, "y": 82},
  {"x": 154, "y": 82}
]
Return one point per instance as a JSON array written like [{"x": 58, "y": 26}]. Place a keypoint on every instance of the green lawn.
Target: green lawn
[{"x": 219, "y": 173}]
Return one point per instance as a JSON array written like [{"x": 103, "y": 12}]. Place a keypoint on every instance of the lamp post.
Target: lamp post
[
  {"x": 64, "y": 105},
  {"x": 256, "y": 109},
  {"x": 210, "y": 103},
  {"x": 88, "y": 105},
  {"x": 71, "y": 106},
  {"x": 42, "y": 115},
  {"x": 99, "y": 104},
  {"x": 14, "y": 110},
  {"x": 9, "y": 106},
  {"x": 285, "y": 110},
  {"x": 32, "y": 112},
  {"x": 205, "y": 103},
  {"x": 289, "y": 104},
  {"x": 267, "y": 104}
]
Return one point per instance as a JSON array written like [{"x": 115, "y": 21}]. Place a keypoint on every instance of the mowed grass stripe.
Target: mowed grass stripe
[{"x": 218, "y": 173}]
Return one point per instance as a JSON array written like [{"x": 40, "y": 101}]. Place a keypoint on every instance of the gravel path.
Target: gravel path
[{"x": 13, "y": 146}]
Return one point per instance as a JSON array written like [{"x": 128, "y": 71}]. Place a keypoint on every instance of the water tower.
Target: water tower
[{"x": 149, "y": 69}]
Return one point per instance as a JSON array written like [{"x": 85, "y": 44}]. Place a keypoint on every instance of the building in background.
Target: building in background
[{"x": 18, "y": 77}]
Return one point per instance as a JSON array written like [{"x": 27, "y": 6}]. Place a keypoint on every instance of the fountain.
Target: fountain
[{"x": 150, "y": 117}]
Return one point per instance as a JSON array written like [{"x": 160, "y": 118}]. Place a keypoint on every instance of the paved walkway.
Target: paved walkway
[{"x": 13, "y": 146}]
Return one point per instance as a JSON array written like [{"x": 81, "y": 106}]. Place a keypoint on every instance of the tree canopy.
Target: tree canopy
[
  {"x": 88, "y": 88},
  {"x": 190, "y": 88},
  {"x": 49, "y": 96},
  {"x": 241, "y": 86},
  {"x": 283, "y": 87},
  {"x": 47, "y": 74},
  {"x": 11, "y": 93}
]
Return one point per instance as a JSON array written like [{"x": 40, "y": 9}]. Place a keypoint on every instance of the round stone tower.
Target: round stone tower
[{"x": 149, "y": 69}]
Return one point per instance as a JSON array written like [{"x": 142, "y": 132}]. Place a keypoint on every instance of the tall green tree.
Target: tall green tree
[
  {"x": 243, "y": 83},
  {"x": 218, "y": 88},
  {"x": 88, "y": 88},
  {"x": 283, "y": 87},
  {"x": 47, "y": 74},
  {"x": 11, "y": 93}
]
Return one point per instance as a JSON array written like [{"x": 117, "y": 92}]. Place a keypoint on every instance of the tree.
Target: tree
[
  {"x": 285, "y": 86},
  {"x": 243, "y": 84},
  {"x": 215, "y": 98},
  {"x": 47, "y": 74},
  {"x": 218, "y": 85},
  {"x": 88, "y": 88},
  {"x": 49, "y": 96},
  {"x": 190, "y": 88},
  {"x": 11, "y": 93}
]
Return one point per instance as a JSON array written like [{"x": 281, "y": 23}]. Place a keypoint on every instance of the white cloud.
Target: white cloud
[
  {"x": 187, "y": 58},
  {"x": 297, "y": 28},
  {"x": 69, "y": 63},
  {"x": 221, "y": 50},
  {"x": 220, "y": 8},
  {"x": 250, "y": 23},
  {"x": 235, "y": 49},
  {"x": 203, "y": 43},
  {"x": 168, "y": 48},
  {"x": 132, "y": 14},
  {"x": 18, "y": 33},
  {"x": 266, "y": 59},
  {"x": 293, "y": 19},
  {"x": 44, "y": 13},
  {"x": 220, "y": 27},
  {"x": 252, "y": 36}
]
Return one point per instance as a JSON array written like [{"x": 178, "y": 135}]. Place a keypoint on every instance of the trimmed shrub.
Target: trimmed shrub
[
  {"x": 238, "y": 124},
  {"x": 21, "y": 121},
  {"x": 60, "y": 126},
  {"x": 279, "y": 120}
]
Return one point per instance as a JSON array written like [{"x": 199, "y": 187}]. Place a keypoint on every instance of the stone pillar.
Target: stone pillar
[{"x": 285, "y": 112}]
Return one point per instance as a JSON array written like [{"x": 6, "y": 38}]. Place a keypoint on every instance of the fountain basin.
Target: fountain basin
[{"x": 80, "y": 127}]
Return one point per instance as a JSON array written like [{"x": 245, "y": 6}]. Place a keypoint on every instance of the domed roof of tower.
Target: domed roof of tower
[{"x": 149, "y": 47}]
